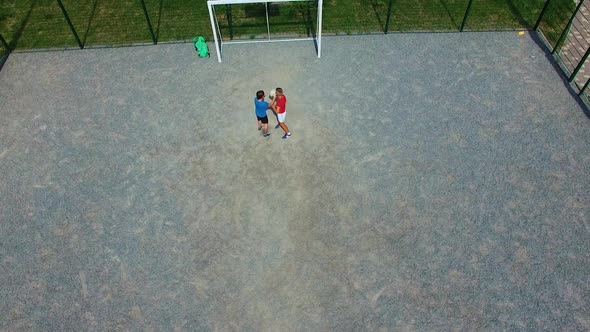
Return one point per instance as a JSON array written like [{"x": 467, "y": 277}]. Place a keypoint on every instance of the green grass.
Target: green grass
[
  {"x": 40, "y": 23},
  {"x": 508, "y": 14}
]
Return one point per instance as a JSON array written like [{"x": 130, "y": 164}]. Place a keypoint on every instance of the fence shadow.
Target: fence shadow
[
  {"x": 3, "y": 59},
  {"x": 522, "y": 21},
  {"x": 374, "y": 5},
  {"x": 553, "y": 61},
  {"x": 13, "y": 43},
  {"x": 445, "y": 5},
  {"x": 91, "y": 18},
  {"x": 161, "y": 4}
]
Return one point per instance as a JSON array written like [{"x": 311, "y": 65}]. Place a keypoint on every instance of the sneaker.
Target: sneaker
[
  {"x": 266, "y": 135},
  {"x": 277, "y": 127},
  {"x": 286, "y": 136},
  {"x": 259, "y": 127}
]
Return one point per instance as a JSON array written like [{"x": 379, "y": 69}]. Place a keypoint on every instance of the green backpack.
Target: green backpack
[{"x": 201, "y": 46}]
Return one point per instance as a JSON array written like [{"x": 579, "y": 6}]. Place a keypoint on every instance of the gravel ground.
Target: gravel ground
[{"x": 432, "y": 182}]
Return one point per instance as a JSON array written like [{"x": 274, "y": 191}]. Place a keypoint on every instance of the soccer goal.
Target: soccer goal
[{"x": 259, "y": 14}]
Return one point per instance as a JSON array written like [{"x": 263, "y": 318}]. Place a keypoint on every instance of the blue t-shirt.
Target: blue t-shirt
[{"x": 261, "y": 107}]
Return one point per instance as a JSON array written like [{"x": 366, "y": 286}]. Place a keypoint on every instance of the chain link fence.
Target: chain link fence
[
  {"x": 33, "y": 24},
  {"x": 563, "y": 25},
  {"x": 28, "y": 24}
]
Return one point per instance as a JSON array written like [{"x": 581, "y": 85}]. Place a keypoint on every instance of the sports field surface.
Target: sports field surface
[{"x": 432, "y": 182}]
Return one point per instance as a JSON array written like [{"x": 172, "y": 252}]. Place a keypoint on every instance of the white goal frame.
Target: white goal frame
[{"x": 219, "y": 42}]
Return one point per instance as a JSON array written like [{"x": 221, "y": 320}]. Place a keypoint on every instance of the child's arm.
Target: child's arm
[{"x": 272, "y": 104}]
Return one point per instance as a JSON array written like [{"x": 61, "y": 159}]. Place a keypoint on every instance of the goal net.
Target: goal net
[{"x": 261, "y": 21}]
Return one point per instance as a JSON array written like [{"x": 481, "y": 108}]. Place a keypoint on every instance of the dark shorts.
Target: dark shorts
[{"x": 263, "y": 120}]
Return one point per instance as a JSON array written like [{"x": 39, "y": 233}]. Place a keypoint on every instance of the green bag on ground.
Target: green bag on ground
[{"x": 201, "y": 47}]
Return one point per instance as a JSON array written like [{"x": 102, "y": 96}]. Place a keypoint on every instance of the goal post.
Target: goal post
[{"x": 317, "y": 37}]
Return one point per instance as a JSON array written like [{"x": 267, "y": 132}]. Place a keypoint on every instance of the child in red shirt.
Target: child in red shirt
[{"x": 281, "y": 109}]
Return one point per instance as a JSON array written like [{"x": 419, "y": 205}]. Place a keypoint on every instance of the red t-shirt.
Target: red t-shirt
[{"x": 281, "y": 104}]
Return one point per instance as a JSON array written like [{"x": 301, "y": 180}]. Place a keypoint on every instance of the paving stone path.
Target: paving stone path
[{"x": 577, "y": 43}]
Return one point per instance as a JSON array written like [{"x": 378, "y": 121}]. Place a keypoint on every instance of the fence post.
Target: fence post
[
  {"x": 567, "y": 28},
  {"x": 149, "y": 23},
  {"x": 388, "y": 16},
  {"x": 541, "y": 15},
  {"x": 466, "y": 15},
  {"x": 67, "y": 17},
  {"x": 579, "y": 66}
]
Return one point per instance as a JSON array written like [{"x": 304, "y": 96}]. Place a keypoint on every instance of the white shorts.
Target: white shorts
[{"x": 281, "y": 116}]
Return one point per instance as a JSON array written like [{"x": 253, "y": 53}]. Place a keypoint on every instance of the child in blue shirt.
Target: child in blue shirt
[{"x": 260, "y": 107}]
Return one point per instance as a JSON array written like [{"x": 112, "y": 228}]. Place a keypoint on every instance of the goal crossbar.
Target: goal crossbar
[{"x": 215, "y": 27}]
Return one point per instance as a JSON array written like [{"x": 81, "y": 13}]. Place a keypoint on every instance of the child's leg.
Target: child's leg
[
  {"x": 284, "y": 127},
  {"x": 281, "y": 117}
]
